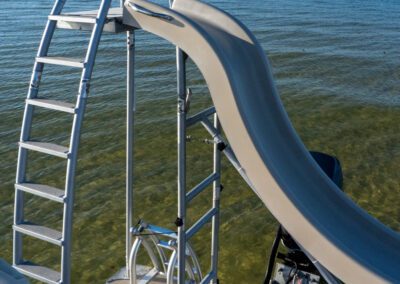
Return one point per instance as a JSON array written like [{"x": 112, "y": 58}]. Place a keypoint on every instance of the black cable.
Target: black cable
[
  {"x": 154, "y": 234},
  {"x": 271, "y": 260}
]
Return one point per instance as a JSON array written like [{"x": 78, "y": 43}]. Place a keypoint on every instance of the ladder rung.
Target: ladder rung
[
  {"x": 201, "y": 186},
  {"x": 201, "y": 222},
  {"x": 73, "y": 19},
  {"x": 38, "y": 272},
  {"x": 53, "y": 104},
  {"x": 42, "y": 190},
  {"x": 63, "y": 61},
  {"x": 47, "y": 148},
  {"x": 200, "y": 116},
  {"x": 40, "y": 232}
]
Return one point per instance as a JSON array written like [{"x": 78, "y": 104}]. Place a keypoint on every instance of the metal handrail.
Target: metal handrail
[{"x": 145, "y": 234}]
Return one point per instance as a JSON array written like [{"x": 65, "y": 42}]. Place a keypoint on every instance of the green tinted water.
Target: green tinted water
[{"x": 338, "y": 77}]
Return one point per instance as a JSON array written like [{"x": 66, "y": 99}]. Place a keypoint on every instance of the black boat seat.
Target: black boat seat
[{"x": 332, "y": 168}]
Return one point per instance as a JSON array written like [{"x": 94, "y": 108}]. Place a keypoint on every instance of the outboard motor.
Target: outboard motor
[{"x": 296, "y": 267}]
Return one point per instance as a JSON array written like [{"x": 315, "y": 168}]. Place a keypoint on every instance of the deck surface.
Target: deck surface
[
  {"x": 156, "y": 280},
  {"x": 113, "y": 13},
  {"x": 113, "y": 24},
  {"x": 142, "y": 271}
]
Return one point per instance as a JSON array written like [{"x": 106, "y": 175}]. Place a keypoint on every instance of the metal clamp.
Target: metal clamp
[{"x": 147, "y": 12}]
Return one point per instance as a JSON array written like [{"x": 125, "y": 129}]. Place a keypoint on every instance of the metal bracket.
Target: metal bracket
[
  {"x": 179, "y": 222},
  {"x": 187, "y": 100},
  {"x": 221, "y": 146},
  {"x": 85, "y": 87}
]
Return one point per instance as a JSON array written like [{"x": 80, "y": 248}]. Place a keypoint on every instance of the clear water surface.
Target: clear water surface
[{"x": 337, "y": 67}]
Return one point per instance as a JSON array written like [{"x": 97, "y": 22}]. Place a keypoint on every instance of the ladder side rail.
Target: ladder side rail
[
  {"x": 181, "y": 125},
  {"x": 44, "y": 49},
  {"x": 26, "y": 129},
  {"x": 69, "y": 195},
  {"x": 216, "y": 205},
  {"x": 93, "y": 45},
  {"x": 49, "y": 29},
  {"x": 75, "y": 137},
  {"x": 130, "y": 115}
]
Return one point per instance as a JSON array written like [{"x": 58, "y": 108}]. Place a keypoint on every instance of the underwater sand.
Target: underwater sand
[{"x": 337, "y": 69}]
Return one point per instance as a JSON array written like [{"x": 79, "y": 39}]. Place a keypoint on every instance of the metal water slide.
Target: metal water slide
[{"x": 343, "y": 237}]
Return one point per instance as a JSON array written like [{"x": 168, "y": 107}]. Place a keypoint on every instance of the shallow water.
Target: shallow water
[{"x": 336, "y": 64}]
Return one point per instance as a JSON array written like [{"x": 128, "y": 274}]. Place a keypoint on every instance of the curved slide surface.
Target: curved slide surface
[{"x": 345, "y": 239}]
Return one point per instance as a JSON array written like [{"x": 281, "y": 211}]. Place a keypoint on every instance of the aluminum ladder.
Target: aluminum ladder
[
  {"x": 184, "y": 232},
  {"x": 21, "y": 225}
]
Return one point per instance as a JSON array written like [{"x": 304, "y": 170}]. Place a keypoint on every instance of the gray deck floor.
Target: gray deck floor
[
  {"x": 114, "y": 21},
  {"x": 118, "y": 278}
]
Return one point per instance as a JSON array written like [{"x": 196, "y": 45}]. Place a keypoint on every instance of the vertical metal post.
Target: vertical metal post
[
  {"x": 216, "y": 201},
  {"x": 181, "y": 88},
  {"x": 130, "y": 110}
]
